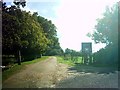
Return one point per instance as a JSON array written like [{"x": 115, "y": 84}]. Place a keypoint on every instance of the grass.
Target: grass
[
  {"x": 68, "y": 62},
  {"x": 79, "y": 60},
  {"x": 17, "y": 68}
]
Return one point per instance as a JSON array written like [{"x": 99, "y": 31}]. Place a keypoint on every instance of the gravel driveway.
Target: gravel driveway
[
  {"x": 90, "y": 77},
  {"x": 39, "y": 75}
]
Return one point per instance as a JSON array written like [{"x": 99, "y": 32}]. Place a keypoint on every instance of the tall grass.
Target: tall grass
[{"x": 69, "y": 61}]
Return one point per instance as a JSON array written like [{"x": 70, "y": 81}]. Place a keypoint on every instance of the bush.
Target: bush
[
  {"x": 108, "y": 55},
  {"x": 8, "y": 59}
]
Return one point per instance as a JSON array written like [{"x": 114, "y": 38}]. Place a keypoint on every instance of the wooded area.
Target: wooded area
[
  {"x": 107, "y": 30},
  {"x": 27, "y": 36}
]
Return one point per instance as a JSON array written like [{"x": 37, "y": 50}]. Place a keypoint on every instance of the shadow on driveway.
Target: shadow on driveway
[
  {"x": 86, "y": 76},
  {"x": 93, "y": 69}
]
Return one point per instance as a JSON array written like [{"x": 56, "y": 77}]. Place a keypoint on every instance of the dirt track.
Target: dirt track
[
  {"x": 39, "y": 75},
  {"x": 50, "y": 73}
]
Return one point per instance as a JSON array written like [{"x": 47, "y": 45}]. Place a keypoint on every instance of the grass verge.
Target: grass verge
[
  {"x": 17, "y": 68},
  {"x": 68, "y": 62}
]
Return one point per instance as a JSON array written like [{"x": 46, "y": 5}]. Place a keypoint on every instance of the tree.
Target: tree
[
  {"x": 107, "y": 27},
  {"x": 27, "y": 35},
  {"x": 13, "y": 30},
  {"x": 11, "y": 39},
  {"x": 107, "y": 32},
  {"x": 71, "y": 54},
  {"x": 49, "y": 29},
  {"x": 20, "y": 35}
]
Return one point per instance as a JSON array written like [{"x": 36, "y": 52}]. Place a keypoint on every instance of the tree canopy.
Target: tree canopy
[
  {"x": 30, "y": 34},
  {"x": 107, "y": 27},
  {"x": 107, "y": 32}
]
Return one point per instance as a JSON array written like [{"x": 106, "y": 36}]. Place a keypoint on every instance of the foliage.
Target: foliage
[
  {"x": 50, "y": 32},
  {"x": 19, "y": 34},
  {"x": 107, "y": 27},
  {"x": 70, "y": 54},
  {"x": 68, "y": 62},
  {"x": 107, "y": 32},
  {"x": 28, "y": 34},
  {"x": 108, "y": 55}
]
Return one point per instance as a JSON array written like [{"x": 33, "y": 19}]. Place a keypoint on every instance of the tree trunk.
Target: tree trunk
[
  {"x": 19, "y": 57},
  {"x": 90, "y": 60}
]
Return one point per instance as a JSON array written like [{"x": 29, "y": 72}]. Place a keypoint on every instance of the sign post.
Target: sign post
[{"x": 87, "y": 53}]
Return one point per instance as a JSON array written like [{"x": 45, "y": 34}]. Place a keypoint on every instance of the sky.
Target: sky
[{"x": 73, "y": 19}]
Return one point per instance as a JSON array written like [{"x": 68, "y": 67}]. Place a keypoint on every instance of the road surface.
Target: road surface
[{"x": 50, "y": 73}]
